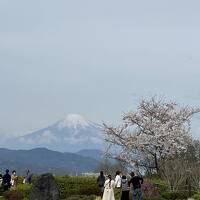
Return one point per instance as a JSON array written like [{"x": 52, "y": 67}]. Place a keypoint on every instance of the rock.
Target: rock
[{"x": 45, "y": 188}]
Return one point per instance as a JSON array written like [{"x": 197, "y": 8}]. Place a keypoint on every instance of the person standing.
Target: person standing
[
  {"x": 125, "y": 188},
  {"x": 1, "y": 180},
  {"x": 118, "y": 183},
  {"x": 101, "y": 181},
  {"x": 109, "y": 186},
  {"x": 27, "y": 178},
  {"x": 6, "y": 180},
  {"x": 13, "y": 179},
  {"x": 136, "y": 182},
  {"x": 118, "y": 179}
]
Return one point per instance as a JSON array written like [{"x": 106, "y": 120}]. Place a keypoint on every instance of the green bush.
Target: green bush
[
  {"x": 20, "y": 193},
  {"x": 196, "y": 196},
  {"x": 85, "y": 188},
  {"x": 20, "y": 179},
  {"x": 70, "y": 186},
  {"x": 153, "y": 198},
  {"x": 13, "y": 195},
  {"x": 175, "y": 195},
  {"x": 158, "y": 183},
  {"x": 81, "y": 197}
]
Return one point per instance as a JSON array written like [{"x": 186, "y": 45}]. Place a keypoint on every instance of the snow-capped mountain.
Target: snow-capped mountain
[
  {"x": 74, "y": 121},
  {"x": 70, "y": 134}
]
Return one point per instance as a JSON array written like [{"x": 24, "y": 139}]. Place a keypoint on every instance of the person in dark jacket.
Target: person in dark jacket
[
  {"x": 136, "y": 182},
  {"x": 100, "y": 181},
  {"x": 6, "y": 180}
]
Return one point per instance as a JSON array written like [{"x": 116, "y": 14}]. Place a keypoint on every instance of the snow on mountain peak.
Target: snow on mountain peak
[{"x": 73, "y": 121}]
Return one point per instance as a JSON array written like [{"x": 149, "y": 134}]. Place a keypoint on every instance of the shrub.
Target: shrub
[
  {"x": 149, "y": 190},
  {"x": 161, "y": 185},
  {"x": 196, "y": 196},
  {"x": 20, "y": 180},
  {"x": 85, "y": 188},
  {"x": 82, "y": 197},
  {"x": 70, "y": 186},
  {"x": 175, "y": 195},
  {"x": 13, "y": 195},
  {"x": 20, "y": 193},
  {"x": 153, "y": 198}
]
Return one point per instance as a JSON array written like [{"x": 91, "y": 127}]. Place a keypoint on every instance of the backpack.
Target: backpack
[{"x": 101, "y": 181}]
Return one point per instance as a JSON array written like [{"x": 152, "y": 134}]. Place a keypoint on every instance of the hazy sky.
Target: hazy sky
[{"x": 95, "y": 58}]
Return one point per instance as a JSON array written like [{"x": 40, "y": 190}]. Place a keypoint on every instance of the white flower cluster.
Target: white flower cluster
[{"x": 157, "y": 128}]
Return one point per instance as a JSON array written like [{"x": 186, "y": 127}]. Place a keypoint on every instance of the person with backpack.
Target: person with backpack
[
  {"x": 101, "y": 181},
  {"x": 6, "y": 180},
  {"x": 125, "y": 188},
  {"x": 136, "y": 182}
]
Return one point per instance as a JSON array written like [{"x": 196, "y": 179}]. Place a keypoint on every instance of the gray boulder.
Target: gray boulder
[{"x": 45, "y": 188}]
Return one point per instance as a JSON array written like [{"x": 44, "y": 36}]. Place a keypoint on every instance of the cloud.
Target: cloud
[
  {"x": 47, "y": 137},
  {"x": 81, "y": 140}
]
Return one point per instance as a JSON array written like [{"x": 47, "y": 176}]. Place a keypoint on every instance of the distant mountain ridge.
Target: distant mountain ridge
[
  {"x": 42, "y": 160},
  {"x": 91, "y": 153},
  {"x": 71, "y": 134}
]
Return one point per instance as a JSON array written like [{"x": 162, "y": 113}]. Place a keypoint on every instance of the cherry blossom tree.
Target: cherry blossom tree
[{"x": 157, "y": 129}]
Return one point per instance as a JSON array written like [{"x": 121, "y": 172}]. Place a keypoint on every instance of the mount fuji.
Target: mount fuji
[{"x": 70, "y": 134}]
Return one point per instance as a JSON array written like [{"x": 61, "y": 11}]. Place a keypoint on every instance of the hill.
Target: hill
[
  {"x": 42, "y": 160},
  {"x": 91, "y": 153}
]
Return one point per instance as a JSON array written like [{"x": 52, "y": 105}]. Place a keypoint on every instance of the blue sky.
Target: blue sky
[{"x": 95, "y": 58}]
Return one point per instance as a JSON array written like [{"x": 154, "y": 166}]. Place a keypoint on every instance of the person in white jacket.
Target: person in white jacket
[
  {"x": 118, "y": 180},
  {"x": 1, "y": 180},
  {"x": 109, "y": 186}
]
